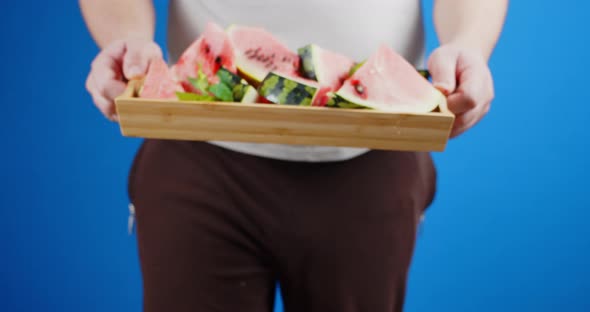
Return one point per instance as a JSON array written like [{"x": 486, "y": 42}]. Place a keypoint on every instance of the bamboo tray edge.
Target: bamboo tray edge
[{"x": 281, "y": 124}]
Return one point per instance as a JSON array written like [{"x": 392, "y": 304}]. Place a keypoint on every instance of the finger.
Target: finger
[
  {"x": 442, "y": 65},
  {"x": 99, "y": 100},
  {"x": 461, "y": 123},
  {"x": 475, "y": 90},
  {"x": 107, "y": 64},
  {"x": 468, "y": 120},
  {"x": 113, "y": 88},
  {"x": 475, "y": 80},
  {"x": 103, "y": 105},
  {"x": 459, "y": 131},
  {"x": 105, "y": 68},
  {"x": 115, "y": 51},
  {"x": 137, "y": 57},
  {"x": 90, "y": 83},
  {"x": 459, "y": 103},
  {"x": 106, "y": 94}
]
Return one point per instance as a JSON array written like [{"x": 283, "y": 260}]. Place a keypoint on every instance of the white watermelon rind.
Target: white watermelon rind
[
  {"x": 252, "y": 74},
  {"x": 250, "y": 96},
  {"x": 251, "y": 71},
  {"x": 311, "y": 66},
  {"x": 435, "y": 98}
]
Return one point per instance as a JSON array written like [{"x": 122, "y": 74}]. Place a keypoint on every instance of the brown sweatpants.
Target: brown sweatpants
[{"x": 218, "y": 229}]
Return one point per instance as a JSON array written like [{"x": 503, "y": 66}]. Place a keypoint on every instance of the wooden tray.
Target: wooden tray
[{"x": 284, "y": 124}]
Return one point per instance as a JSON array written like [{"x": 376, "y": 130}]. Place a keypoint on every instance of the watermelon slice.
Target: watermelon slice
[
  {"x": 240, "y": 89},
  {"x": 249, "y": 94},
  {"x": 355, "y": 67},
  {"x": 328, "y": 68},
  {"x": 323, "y": 96},
  {"x": 208, "y": 53},
  {"x": 280, "y": 89},
  {"x": 159, "y": 82},
  {"x": 423, "y": 72},
  {"x": 386, "y": 81},
  {"x": 258, "y": 52}
]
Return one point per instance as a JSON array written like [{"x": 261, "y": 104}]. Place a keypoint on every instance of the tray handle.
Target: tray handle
[
  {"x": 133, "y": 87},
  {"x": 443, "y": 107}
]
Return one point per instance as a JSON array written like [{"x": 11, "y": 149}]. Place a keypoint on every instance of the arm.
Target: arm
[
  {"x": 124, "y": 30},
  {"x": 109, "y": 20},
  {"x": 468, "y": 31},
  {"x": 473, "y": 24}
]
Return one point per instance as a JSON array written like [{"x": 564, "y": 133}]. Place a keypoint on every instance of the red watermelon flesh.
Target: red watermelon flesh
[
  {"x": 258, "y": 52},
  {"x": 211, "y": 51},
  {"x": 386, "y": 81},
  {"x": 159, "y": 82},
  {"x": 335, "y": 69},
  {"x": 328, "y": 68},
  {"x": 322, "y": 96}
]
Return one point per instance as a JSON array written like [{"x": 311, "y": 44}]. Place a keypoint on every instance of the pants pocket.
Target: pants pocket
[
  {"x": 131, "y": 182},
  {"x": 133, "y": 171}
]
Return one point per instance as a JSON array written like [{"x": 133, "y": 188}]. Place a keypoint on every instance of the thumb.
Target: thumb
[
  {"x": 442, "y": 65},
  {"x": 137, "y": 58}
]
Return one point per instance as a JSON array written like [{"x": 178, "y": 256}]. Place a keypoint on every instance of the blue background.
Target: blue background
[{"x": 508, "y": 230}]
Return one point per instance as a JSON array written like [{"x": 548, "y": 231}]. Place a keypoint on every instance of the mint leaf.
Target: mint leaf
[
  {"x": 228, "y": 77},
  {"x": 187, "y": 96},
  {"x": 200, "y": 84},
  {"x": 222, "y": 92}
]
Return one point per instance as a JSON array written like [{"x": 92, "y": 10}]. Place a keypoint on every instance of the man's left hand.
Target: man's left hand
[{"x": 464, "y": 77}]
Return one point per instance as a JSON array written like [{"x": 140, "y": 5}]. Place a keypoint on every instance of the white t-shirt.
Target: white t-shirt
[{"x": 352, "y": 28}]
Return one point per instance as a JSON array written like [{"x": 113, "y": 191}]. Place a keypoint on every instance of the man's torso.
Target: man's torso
[{"x": 352, "y": 28}]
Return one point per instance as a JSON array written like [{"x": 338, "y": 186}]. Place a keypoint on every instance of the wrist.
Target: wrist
[
  {"x": 472, "y": 47},
  {"x": 138, "y": 35}
]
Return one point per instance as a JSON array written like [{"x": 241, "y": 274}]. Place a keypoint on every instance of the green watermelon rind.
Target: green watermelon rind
[
  {"x": 279, "y": 89},
  {"x": 242, "y": 90},
  {"x": 239, "y": 88},
  {"x": 428, "y": 106},
  {"x": 355, "y": 67},
  {"x": 337, "y": 101},
  {"x": 229, "y": 78},
  {"x": 308, "y": 59}
]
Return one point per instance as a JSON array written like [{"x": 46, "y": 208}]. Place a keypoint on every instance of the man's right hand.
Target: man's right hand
[{"x": 118, "y": 62}]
